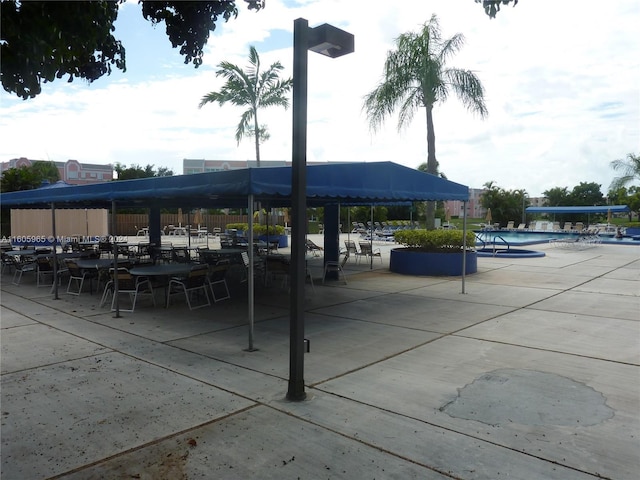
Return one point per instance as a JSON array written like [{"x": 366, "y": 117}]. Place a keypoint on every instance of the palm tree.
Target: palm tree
[
  {"x": 630, "y": 169},
  {"x": 252, "y": 89},
  {"x": 416, "y": 75}
]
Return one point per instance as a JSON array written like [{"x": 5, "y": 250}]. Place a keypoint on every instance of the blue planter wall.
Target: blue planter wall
[
  {"x": 409, "y": 262},
  {"x": 283, "y": 240}
]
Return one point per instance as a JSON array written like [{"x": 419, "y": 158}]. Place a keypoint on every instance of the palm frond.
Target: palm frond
[
  {"x": 468, "y": 88},
  {"x": 630, "y": 169},
  {"x": 244, "y": 127}
]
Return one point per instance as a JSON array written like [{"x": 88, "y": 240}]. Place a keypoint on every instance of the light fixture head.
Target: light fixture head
[{"x": 330, "y": 41}]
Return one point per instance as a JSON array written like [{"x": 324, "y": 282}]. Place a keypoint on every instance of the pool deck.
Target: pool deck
[{"x": 533, "y": 372}]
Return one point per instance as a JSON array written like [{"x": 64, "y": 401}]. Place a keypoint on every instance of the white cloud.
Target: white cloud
[{"x": 561, "y": 83}]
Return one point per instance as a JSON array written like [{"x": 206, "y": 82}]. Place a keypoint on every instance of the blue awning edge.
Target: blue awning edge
[{"x": 358, "y": 183}]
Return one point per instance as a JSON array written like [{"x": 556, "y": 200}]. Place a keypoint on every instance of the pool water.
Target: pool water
[
  {"x": 510, "y": 253},
  {"x": 533, "y": 238}
]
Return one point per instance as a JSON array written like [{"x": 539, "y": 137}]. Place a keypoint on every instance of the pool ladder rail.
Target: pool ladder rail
[{"x": 493, "y": 243}]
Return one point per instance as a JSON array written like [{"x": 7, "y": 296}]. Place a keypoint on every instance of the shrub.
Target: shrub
[
  {"x": 238, "y": 226},
  {"x": 257, "y": 229},
  {"x": 434, "y": 240},
  {"x": 273, "y": 229}
]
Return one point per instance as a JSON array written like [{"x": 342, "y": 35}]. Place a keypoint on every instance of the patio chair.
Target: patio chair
[
  {"x": 180, "y": 255},
  {"x": 165, "y": 253},
  {"x": 62, "y": 271},
  {"x": 129, "y": 285},
  {"x": 510, "y": 225},
  {"x": 331, "y": 266},
  {"x": 366, "y": 250},
  {"x": 44, "y": 270},
  {"x": 568, "y": 226},
  {"x": 22, "y": 266},
  {"x": 522, "y": 226},
  {"x": 208, "y": 256},
  {"x": 7, "y": 262},
  {"x": 105, "y": 248},
  {"x": 314, "y": 249},
  {"x": 143, "y": 253},
  {"x": 193, "y": 286},
  {"x": 351, "y": 250},
  {"x": 77, "y": 277},
  {"x": 278, "y": 267},
  {"x": 217, "y": 276},
  {"x": 259, "y": 268}
]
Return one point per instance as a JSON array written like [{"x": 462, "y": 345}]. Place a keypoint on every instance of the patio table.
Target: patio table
[
  {"x": 161, "y": 270},
  {"x": 27, "y": 252},
  {"x": 99, "y": 263}
]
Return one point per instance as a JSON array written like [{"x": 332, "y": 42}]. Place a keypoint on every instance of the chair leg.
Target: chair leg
[
  {"x": 334, "y": 267},
  {"x": 78, "y": 281},
  {"x": 39, "y": 279},
  {"x": 226, "y": 295},
  {"x": 313, "y": 288},
  {"x": 202, "y": 289},
  {"x": 108, "y": 288}
]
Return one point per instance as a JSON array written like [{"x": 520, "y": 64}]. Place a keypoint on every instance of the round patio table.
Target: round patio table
[
  {"x": 98, "y": 263},
  {"x": 161, "y": 270}
]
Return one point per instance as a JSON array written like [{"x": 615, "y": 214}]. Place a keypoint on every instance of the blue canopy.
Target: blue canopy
[
  {"x": 347, "y": 183},
  {"x": 580, "y": 209}
]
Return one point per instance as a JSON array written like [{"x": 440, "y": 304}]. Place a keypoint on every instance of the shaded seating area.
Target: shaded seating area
[{"x": 329, "y": 186}]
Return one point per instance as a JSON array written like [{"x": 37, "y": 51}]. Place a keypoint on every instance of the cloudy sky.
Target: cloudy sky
[{"x": 561, "y": 78}]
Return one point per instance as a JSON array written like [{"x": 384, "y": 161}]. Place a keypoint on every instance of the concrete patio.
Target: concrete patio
[{"x": 533, "y": 373}]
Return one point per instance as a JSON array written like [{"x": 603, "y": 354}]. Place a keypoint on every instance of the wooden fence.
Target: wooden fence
[{"x": 130, "y": 223}]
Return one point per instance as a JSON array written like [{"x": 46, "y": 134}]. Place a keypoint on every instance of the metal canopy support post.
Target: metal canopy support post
[
  {"x": 116, "y": 296},
  {"x": 250, "y": 276},
  {"x": 464, "y": 243},
  {"x": 55, "y": 252},
  {"x": 331, "y": 237},
  {"x": 155, "y": 235},
  {"x": 371, "y": 240}
]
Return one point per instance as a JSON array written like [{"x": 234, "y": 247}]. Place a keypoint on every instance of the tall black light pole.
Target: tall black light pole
[{"x": 332, "y": 42}]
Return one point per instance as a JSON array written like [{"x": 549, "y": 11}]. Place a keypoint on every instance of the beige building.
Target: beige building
[
  {"x": 191, "y": 165},
  {"x": 70, "y": 171}
]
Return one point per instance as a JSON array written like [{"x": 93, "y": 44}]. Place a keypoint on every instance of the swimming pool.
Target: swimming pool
[{"x": 533, "y": 238}]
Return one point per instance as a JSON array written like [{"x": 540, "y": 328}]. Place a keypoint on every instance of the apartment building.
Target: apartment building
[{"x": 71, "y": 171}]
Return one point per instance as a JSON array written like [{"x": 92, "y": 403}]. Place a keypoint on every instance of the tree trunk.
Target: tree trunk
[
  {"x": 256, "y": 136},
  {"x": 432, "y": 166}
]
